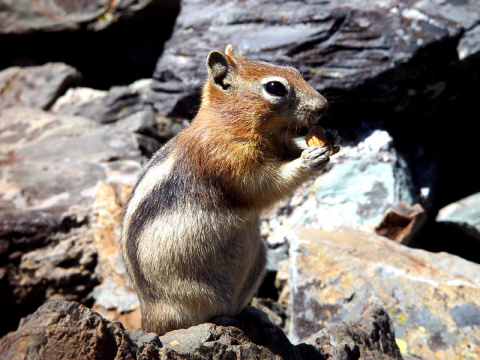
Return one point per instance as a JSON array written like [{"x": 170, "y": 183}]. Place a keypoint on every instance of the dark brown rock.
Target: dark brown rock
[
  {"x": 51, "y": 165},
  {"x": 367, "y": 52},
  {"x": 76, "y": 332},
  {"x": 67, "y": 330}
]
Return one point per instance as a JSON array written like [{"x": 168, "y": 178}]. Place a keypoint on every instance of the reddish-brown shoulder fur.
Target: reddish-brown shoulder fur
[{"x": 238, "y": 135}]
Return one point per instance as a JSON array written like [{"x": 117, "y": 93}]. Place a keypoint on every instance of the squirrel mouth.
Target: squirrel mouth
[{"x": 304, "y": 130}]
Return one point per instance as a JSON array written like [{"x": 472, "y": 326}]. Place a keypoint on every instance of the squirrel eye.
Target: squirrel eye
[{"x": 276, "y": 88}]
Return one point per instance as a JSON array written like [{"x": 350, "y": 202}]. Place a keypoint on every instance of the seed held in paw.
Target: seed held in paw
[{"x": 317, "y": 137}]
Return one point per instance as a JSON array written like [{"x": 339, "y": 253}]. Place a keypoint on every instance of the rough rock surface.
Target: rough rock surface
[
  {"x": 21, "y": 16},
  {"x": 363, "y": 181},
  {"x": 67, "y": 330},
  {"x": 464, "y": 214},
  {"x": 76, "y": 332},
  {"x": 115, "y": 297},
  {"x": 38, "y": 147},
  {"x": 433, "y": 299},
  {"x": 125, "y": 106},
  {"x": 103, "y": 107},
  {"x": 349, "y": 340},
  {"x": 51, "y": 165},
  {"x": 37, "y": 86},
  {"x": 358, "y": 48}
]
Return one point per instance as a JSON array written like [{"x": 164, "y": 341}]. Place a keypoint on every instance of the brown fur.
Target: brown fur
[
  {"x": 241, "y": 136},
  {"x": 190, "y": 235}
]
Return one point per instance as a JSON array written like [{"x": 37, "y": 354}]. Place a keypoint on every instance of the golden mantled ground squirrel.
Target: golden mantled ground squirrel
[{"x": 190, "y": 234}]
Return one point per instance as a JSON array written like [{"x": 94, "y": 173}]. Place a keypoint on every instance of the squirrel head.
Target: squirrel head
[{"x": 258, "y": 96}]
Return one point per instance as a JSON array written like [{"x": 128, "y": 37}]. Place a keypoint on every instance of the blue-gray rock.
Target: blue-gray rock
[
  {"x": 464, "y": 214},
  {"x": 363, "y": 180}
]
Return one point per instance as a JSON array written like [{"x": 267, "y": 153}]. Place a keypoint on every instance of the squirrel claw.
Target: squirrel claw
[{"x": 316, "y": 157}]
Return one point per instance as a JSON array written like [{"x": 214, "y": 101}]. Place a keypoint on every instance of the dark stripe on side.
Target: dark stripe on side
[
  {"x": 160, "y": 156},
  {"x": 181, "y": 187},
  {"x": 131, "y": 242},
  {"x": 174, "y": 193}
]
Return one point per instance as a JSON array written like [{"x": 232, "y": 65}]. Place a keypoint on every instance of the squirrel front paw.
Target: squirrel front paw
[
  {"x": 316, "y": 157},
  {"x": 334, "y": 138}
]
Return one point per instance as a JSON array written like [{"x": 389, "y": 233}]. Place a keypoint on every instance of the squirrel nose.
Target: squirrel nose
[{"x": 320, "y": 105}]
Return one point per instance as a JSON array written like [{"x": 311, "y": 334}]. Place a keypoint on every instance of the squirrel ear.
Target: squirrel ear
[
  {"x": 220, "y": 70},
  {"x": 229, "y": 50}
]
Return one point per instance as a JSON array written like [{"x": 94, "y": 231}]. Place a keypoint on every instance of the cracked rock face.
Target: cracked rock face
[
  {"x": 51, "y": 165},
  {"x": 432, "y": 299},
  {"x": 367, "y": 51}
]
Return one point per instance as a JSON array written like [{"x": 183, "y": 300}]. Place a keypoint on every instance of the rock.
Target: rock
[
  {"x": 345, "y": 341},
  {"x": 51, "y": 160},
  {"x": 276, "y": 312},
  {"x": 465, "y": 14},
  {"x": 37, "y": 86},
  {"x": 228, "y": 342},
  {"x": 68, "y": 330},
  {"x": 63, "y": 269},
  {"x": 104, "y": 107},
  {"x": 52, "y": 218},
  {"x": 123, "y": 105},
  {"x": 71, "y": 102},
  {"x": 463, "y": 214},
  {"x": 46, "y": 254},
  {"x": 76, "y": 332},
  {"x": 19, "y": 17},
  {"x": 140, "y": 122},
  {"x": 358, "y": 49},
  {"x": 363, "y": 181},
  {"x": 433, "y": 299},
  {"x": 401, "y": 222},
  {"x": 169, "y": 127},
  {"x": 115, "y": 297}
]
